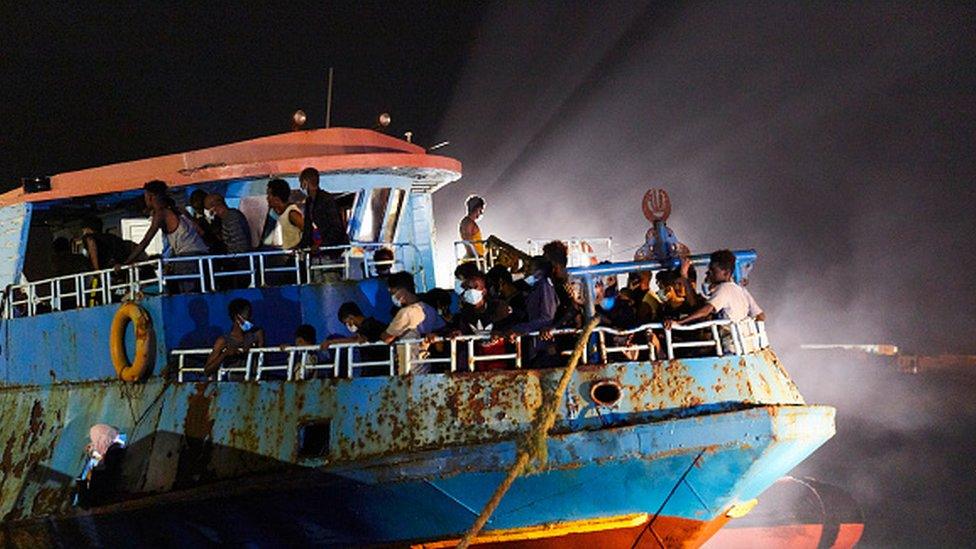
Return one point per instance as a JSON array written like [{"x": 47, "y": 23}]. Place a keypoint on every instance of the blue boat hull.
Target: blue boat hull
[{"x": 687, "y": 473}]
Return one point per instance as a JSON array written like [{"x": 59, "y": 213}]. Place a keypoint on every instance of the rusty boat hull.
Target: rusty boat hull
[{"x": 411, "y": 460}]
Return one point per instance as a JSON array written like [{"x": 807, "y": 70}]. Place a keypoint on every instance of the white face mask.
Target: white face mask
[
  {"x": 472, "y": 296},
  {"x": 397, "y": 302},
  {"x": 191, "y": 210},
  {"x": 458, "y": 288},
  {"x": 208, "y": 215},
  {"x": 530, "y": 280},
  {"x": 246, "y": 324},
  {"x": 84, "y": 251},
  {"x": 352, "y": 328}
]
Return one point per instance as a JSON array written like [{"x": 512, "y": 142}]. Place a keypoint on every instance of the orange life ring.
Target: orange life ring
[{"x": 145, "y": 339}]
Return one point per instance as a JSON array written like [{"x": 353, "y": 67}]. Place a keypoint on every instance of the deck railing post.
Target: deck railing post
[
  {"x": 470, "y": 343},
  {"x": 718, "y": 340},
  {"x": 667, "y": 342}
]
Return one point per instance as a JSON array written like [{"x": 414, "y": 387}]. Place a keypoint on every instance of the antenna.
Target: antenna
[{"x": 328, "y": 103}]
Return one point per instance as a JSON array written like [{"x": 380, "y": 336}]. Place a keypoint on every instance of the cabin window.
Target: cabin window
[{"x": 376, "y": 213}]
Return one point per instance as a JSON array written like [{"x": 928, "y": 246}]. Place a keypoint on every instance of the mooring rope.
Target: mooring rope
[{"x": 534, "y": 444}]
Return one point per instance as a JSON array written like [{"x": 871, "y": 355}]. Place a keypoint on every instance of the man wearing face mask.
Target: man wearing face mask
[
  {"x": 231, "y": 348},
  {"x": 363, "y": 328},
  {"x": 479, "y": 311},
  {"x": 208, "y": 223},
  {"x": 414, "y": 319},
  {"x": 540, "y": 312}
]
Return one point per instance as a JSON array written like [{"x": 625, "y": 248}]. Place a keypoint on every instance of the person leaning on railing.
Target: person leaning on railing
[
  {"x": 540, "y": 309},
  {"x": 364, "y": 329},
  {"x": 414, "y": 319},
  {"x": 231, "y": 349},
  {"x": 726, "y": 299},
  {"x": 183, "y": 235}
]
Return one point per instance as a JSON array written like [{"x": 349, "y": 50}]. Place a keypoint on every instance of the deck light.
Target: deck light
[
  {"x": 298, "y": 120},
  {"x": 384, "y": 120}
]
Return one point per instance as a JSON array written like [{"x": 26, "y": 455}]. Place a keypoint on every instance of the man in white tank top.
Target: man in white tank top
[{"x": 289, "y": 215}]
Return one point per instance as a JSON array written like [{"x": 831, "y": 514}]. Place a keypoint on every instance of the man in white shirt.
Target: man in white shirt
[
  {"x": 727, "y": 299},
  {"x": 414, "y": 319}
]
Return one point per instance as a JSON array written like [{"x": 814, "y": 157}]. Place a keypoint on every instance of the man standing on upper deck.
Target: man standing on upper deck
[
  {"x": 470, "y": 231},
  {"x": 234, "y": 229},
  {"x": 323, "y": 226},
  {"x": 727, "y": 299}
]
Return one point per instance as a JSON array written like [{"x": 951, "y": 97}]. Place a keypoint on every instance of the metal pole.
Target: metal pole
[{"x": 328, "y": 103}]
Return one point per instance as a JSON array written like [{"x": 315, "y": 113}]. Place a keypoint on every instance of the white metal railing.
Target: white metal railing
[
  {"x": 723, "y": 337},
  {"x": 81, "y": 289},
  {"x": 204, "y": 273},
  {"x": 581, "y": 251},
  {"x": 466, "y": 250}
]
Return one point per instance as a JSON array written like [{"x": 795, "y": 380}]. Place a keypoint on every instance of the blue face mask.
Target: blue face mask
[
  {"x": 458, "y": 289},
  {"x": 246, "y": 325},
  {"x": 608, "y": 303},
  {"x": 530, "y": 280},
  {"x": 272, "y": 214}
]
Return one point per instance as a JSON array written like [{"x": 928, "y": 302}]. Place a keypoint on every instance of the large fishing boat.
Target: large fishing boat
[{"x": 649, "y": 446}]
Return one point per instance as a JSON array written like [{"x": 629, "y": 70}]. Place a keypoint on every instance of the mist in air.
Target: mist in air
[{"x": 835, "y": 140}]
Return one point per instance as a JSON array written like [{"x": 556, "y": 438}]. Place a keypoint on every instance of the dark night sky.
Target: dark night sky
[{"x": 85, "y": 87}]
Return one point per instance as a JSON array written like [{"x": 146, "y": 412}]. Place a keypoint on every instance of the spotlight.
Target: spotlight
[{"x": 298, "y": 120}]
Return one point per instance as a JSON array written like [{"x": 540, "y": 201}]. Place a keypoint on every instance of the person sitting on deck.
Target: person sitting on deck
[
  {"x": 235, "y": 233},
  {"x": 726, "y": 300},
  {"x": 413, "y": 320},
  {"x": 289, "y": 215},
  {"x": 104, "y": 250},
  {"x": 182, "y": 234},
  {"x": 231, "y": 349},
  {"x": 323, "y": 225},
  {"x": 469, "y": 230}
]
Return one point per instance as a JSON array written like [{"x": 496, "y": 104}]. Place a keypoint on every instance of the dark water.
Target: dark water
[{"x": 904, "y": 448}]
